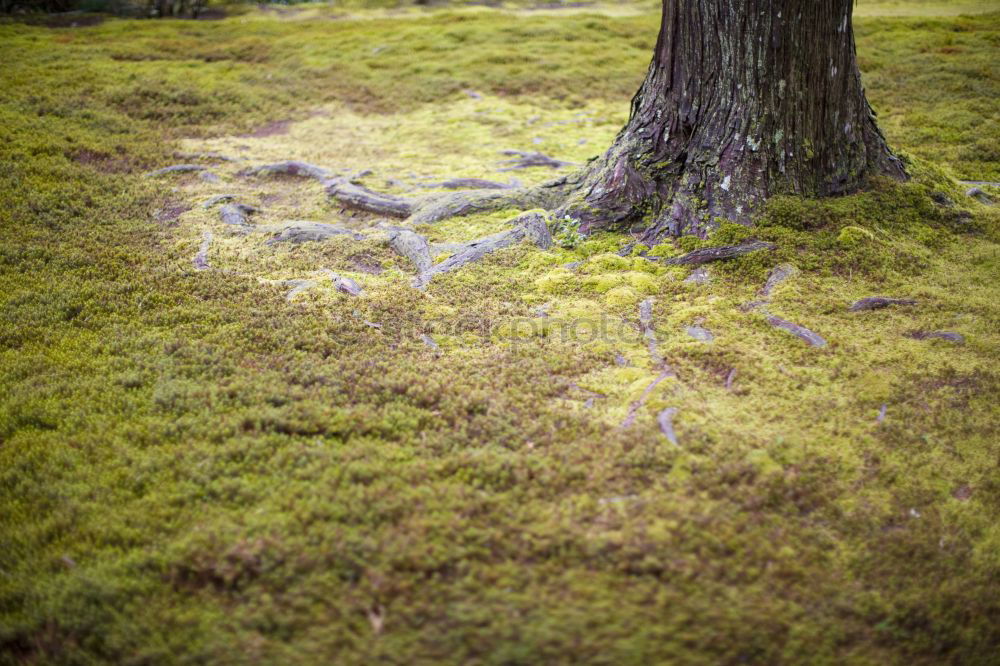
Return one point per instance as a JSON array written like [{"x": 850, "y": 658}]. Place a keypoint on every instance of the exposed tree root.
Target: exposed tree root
[
  {"x": 634, "y": 408},
  {"x": 646, "y": 324},
  {"x": 435, "y": 208},
  {"x": 303, "y": 232},
  {"x": 778, "y": 275},
  {"x": 176, "y": 168},
  {"x": 529, "y": 225},
  {"x": 877, "y": 303},
  {"x": 237, "y": 215},
  {"x": 201, "y": 258},
  {"x": 666, "y": 421},
  {"x": 730, "y": 378},
  {"x": 801, "y": 332},
  {"x": 710, "y": 254},
  {"x": 291, "y": 168},
  {"x": 361, "y": 198},
  {"x": 470, "y": 184},
  {"x": 217, "y": 199},
  {"x": 666, "y": 372},
  {"x": 979, "y": 195},
  {"x": 414, "y": 247},
  {"x": 298, "y": 286},
  {"x": 524, "y": 160},
  {"x": 219, "y": 157},
  {"x": 700, "y": 333},
  {"x": 429, "y": 341},
  {"x": 940, "y": 335}
]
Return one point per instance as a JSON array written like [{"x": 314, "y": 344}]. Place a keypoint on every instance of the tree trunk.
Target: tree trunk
[{"x": 744, "y": 99}]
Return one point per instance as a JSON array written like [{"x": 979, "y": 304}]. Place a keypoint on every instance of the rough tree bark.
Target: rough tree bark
[{"x": 743, "y": 100}]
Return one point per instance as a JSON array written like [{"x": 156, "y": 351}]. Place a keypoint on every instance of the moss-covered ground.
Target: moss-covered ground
[{"x": 196, "y": 468}]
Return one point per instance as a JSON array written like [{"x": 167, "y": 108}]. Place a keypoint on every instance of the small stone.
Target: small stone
[
  {"x": 699, "y": 276},
  {"x": 699, "y": 333},
  {"x": 347, "y": 286}
]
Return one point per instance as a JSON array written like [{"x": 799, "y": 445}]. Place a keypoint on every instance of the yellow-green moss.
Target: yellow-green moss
[{"x": 194, "y": 469}]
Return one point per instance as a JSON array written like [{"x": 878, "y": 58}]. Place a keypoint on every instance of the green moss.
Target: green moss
[
  {"x": 850, "y": 237},
  {"x": 621, "y": 297},
  {"x": 195, "y": 469},
  {"x": 559, "y": 281}
]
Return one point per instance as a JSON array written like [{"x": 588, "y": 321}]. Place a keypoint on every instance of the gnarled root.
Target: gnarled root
[
  {"x": 291, "y": 168},
  {"x": 361, "y": 198},
  {"x": 710, "y": 254},
  {"x": 237, "y": 215},
  {"x": 530, "y": 225},
  {"x": 470, "y": 184},
  {"x": 878, "y": 302},
  {"x": 414, "y": 247},
  {"x": 303, "y": 232},
  {"x": 436, "y": 207},
  {"x": 801, "y": 332},
  {"x": 522, "y": 160}
]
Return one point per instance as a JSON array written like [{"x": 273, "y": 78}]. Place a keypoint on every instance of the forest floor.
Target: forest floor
[{"x": 211, "y": 454}]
